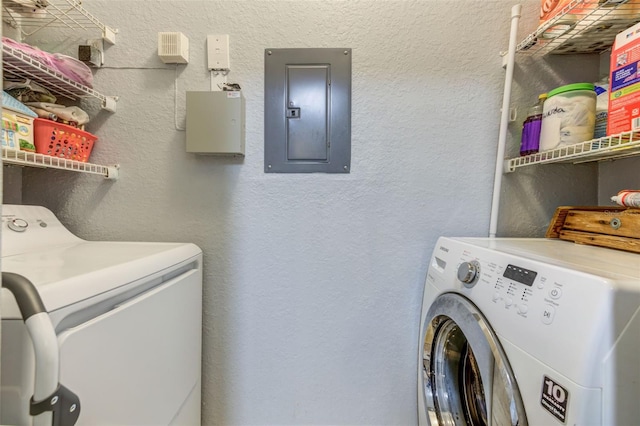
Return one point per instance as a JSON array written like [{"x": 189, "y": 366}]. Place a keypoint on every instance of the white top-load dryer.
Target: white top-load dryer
[
  {"x": 518, "y": 331},
  {"x": 127, "y": 317}
]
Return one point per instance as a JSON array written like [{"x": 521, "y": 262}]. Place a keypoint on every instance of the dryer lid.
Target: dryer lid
[
  {"x": 67, "y": 269},
  {"x": 67, "y": 274}
]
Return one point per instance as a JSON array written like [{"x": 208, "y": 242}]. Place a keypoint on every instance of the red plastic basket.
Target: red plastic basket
[{"x": 60, "y": 140}]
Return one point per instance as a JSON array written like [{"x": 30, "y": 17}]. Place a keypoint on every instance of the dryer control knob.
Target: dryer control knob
[
  {"x": 18, "y": 225},
  {"x": 468, "y": 273}
]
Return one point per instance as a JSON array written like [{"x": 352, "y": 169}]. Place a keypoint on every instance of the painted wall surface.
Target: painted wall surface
[
  {"x": 614, "y": 176},
  {"x": 313, "y": 282}
]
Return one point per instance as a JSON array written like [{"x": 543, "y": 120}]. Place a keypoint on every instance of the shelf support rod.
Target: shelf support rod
[{"x": 504, "y": 120}]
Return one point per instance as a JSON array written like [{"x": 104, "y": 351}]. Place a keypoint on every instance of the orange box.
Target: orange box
[
  {"x": 624, "y": 82},
  {"x": 549, "y": 9},
  {"x": 579, "y": 18}
]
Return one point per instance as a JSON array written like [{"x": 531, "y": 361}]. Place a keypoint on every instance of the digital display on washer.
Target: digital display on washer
[{"x": 521, "y": 275}]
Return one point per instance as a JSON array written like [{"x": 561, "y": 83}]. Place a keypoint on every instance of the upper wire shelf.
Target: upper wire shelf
[
  {"x": 613, "y": 147},
  {"x": 582, "y": 26},
  {"x": 52, "y": 14},
  {"x": 19, "y": 64}
]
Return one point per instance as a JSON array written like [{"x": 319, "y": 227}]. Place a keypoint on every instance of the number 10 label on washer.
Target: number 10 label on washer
[{"x": 554, "y": 399}]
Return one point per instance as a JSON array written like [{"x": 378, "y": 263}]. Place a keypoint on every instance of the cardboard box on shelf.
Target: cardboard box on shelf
[
  {"x": 624, "y": 81},
  {"x": 17, "y": 131}
]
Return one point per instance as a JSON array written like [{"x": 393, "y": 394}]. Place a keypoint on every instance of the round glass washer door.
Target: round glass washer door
[{"x": 466, "y": 376}]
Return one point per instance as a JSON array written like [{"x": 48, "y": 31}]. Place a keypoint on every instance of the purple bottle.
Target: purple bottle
[{"x": 530, "y": 143}]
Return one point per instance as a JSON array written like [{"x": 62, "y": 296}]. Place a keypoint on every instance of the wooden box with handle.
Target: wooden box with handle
[{"x": 606, "y": 226}]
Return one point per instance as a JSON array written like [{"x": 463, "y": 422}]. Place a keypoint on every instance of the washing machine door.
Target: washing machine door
[{"x": 466, "y": 376}]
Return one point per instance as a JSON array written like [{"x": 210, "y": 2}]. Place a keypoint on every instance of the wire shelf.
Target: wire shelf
[
  {"x": 32, "y": 159},
  {"x": 625, "y": 144},
  {"x": 54, "y": 14},
  {"x": 582, "y": 26},
  {"x": 17, "y": 63}
]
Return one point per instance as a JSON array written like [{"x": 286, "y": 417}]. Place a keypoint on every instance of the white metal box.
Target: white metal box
[{"x": 215, "y": 123}]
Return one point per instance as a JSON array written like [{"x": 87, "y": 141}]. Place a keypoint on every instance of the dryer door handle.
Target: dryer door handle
[{"x": 47, "y": 392}]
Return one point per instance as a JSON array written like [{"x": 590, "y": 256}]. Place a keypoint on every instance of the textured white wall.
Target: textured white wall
[
  {"x": 614, "y": 176},
  {"x": 313, "y": 283}
]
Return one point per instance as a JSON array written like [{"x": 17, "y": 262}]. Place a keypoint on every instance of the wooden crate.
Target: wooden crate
[{"x": 605, "y": 226}]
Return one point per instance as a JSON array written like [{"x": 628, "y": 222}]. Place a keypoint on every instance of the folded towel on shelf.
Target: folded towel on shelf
[
  {"x": 71, "y": 115},
  {"x": 627, "y": 198},
  {"x": 28, "y": 91},
  {"x": 29, "y": 4},
  {"x": 27, "y": 8},
  {"x": 41, "y": 113}
]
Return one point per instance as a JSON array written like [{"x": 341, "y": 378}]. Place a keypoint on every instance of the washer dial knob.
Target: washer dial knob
[
  {"x": 18, "y": 225},
  {"x": 468, "y": 273}
]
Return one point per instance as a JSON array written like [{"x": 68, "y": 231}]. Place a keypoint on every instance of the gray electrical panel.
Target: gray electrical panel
[
  {"x": 307, "y": 110},
  {"x": 215, "y": 123}
]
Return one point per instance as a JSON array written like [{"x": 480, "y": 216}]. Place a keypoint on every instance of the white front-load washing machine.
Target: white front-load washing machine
[
  {"x": 126, "y": 325},
  {"x": 528, "y": 331}
]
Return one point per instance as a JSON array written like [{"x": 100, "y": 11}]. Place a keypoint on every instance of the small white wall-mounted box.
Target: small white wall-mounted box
[
  {"x": 173, "y": 48},
  {"x": 215, "y": 123}
]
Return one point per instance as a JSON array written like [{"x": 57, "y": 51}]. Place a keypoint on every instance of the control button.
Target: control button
[
  {"x": 508, "y": 302},
  {"x": 43, "y": 224},
  {"x": 541, "y": 282},
  {"x": 548, "y": 314},
  {"x": 522, "y": 309},
  {"x": 496, "y": 296},
  {"x": 555, "y": 293},
  {"x": 18, "y": 225}
]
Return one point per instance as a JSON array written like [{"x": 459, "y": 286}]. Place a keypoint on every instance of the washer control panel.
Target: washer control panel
[{"x": 523, "y": 290}]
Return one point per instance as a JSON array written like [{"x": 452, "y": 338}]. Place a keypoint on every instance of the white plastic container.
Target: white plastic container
[
  {"x": 602, "y": 108},
  {"x": 569, "y": 116}
]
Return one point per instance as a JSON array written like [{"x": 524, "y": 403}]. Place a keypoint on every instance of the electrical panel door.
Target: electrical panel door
[{"x": 307, "y": 110}]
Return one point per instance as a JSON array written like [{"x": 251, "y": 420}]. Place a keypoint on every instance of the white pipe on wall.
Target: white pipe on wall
[{"x": 504, "y": 120}]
